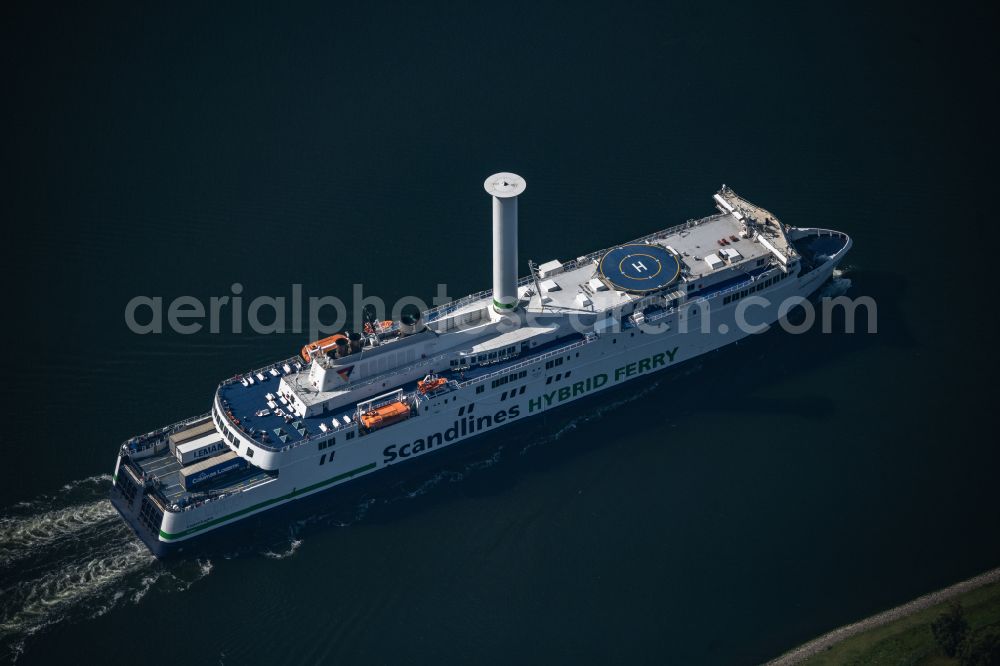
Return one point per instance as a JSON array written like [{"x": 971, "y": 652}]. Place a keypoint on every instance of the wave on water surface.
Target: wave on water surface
[
  {"x": 838, "y": 285},
  {"x": 67, "y": 556}
]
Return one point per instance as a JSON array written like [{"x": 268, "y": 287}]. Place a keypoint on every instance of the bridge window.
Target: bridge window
[
  {"x": 350, "y": 434},
  {"x": 322, "y": 459},
  {"x": 480, "y": 388}
]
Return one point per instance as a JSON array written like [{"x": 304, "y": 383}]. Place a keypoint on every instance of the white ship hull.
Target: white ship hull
[{"x": 602, "y": 362}]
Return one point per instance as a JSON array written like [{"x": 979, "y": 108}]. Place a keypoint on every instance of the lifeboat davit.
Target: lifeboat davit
[
  {"x": 324, "y": 345},
  {"x": 385, "y": 415},
  {"x": 431, "y": 383}
]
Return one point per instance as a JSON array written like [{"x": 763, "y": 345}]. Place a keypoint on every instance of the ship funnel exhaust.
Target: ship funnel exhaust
[{"x": 505, "y": 188}]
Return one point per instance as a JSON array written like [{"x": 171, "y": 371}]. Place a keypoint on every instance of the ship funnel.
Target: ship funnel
[{"x": 505, "y": 188}]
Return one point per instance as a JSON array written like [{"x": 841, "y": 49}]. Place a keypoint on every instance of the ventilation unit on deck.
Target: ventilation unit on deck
[
  {"x": 714, "y": 261},
  {"x": 550, "y": 268}
]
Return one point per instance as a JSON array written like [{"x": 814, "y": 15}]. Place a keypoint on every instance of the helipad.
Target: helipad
[{"x": 639, "y": 268}]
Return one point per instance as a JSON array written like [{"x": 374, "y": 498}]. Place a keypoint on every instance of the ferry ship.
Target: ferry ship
[{"x": 358, "y": 403}]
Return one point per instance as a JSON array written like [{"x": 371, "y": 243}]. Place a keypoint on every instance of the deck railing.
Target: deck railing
[
  {"x": 279, "y": 366},
  {"x": 531, "y": 361},
  {"x": 150, "y": 438},
  {"x": 439, "y": 311}
]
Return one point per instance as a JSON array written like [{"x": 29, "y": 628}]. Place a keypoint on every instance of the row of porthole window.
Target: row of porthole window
[
  {"x": 512, "y": 377},
  {"x": 221, "y": 424},
  {"x": 327, "y": 443},
  {"x": 560, "y": 376},
  {"x": 524, "y": 373},
  {"x": 484, "y": 358},
  {"x": 511, "y": 393},
  {"x": 451, "y": 399},
  {"x": 763, "y": 285}
]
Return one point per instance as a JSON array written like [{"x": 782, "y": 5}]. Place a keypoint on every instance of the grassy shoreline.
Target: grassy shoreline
[{"x": 905, "y": 637}]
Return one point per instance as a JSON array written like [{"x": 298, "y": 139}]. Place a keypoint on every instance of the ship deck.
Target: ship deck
[
  {"x": 246, "y": 401},
  {"x": 693, "y": 242},
  {"x": 578, "y": 287},
  {"x": 165, "y": 468}
]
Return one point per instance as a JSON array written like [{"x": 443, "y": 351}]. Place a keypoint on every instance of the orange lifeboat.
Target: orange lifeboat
[
  {"x": 385, "y": 415},
  {"x": 320, "y": 345},
  {"x": 378, "y": 327},
  {"x": 431, "y": 383}
]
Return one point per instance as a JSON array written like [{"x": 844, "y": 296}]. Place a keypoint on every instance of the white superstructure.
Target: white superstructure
[{"x": 353, "y": 404}]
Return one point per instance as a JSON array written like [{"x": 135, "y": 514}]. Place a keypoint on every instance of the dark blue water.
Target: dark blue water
[{"x": 720, "y": 514}]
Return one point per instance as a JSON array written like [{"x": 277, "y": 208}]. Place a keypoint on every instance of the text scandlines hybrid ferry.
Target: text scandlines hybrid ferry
[{"x": 355, "y": 403}]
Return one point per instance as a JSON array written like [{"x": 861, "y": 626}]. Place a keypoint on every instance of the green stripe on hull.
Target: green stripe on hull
[{"x": 299, "y": 491}]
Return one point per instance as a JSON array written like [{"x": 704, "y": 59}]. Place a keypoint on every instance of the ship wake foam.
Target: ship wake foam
[
  {"x": 67, "y": 557},
  {"x": 21, "y": 536},
  {"x": 838, "y": 285}
]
